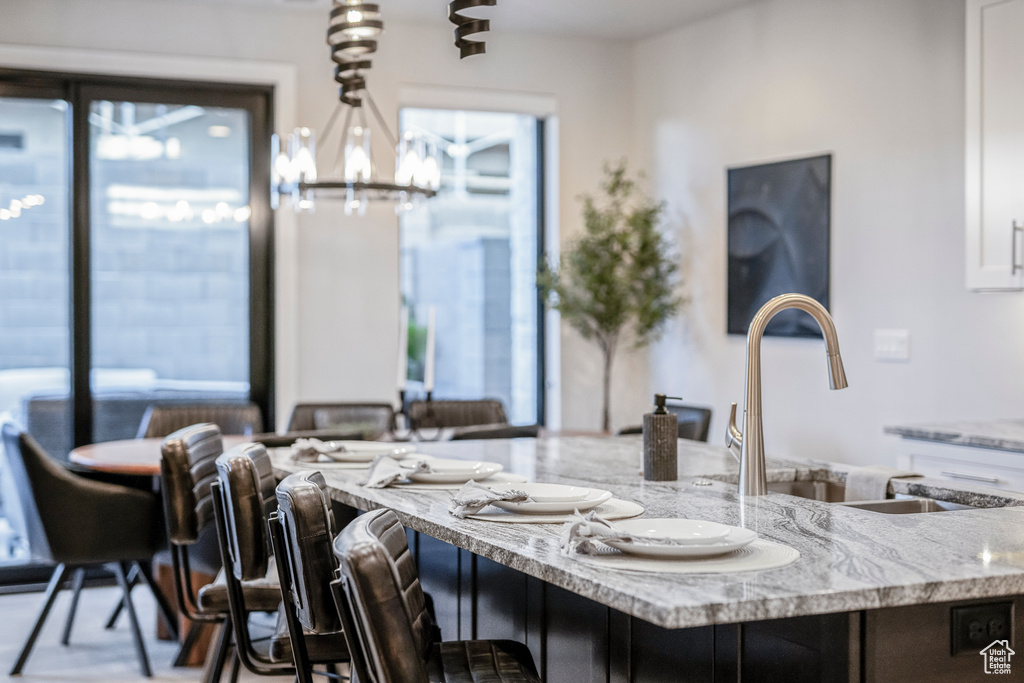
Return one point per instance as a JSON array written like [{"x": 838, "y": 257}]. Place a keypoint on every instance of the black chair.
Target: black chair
[
  {"x": 694, "y": 422},
  {"x": 369, "y": 420},
  {"x": 301, "y": 531},
  {"x": 78, "y": 523},
  {"x": 452, "y": 413},
  {"x": 501, "y": 431},
  {"x": 243, "y": 498},
  {"x": 384, "y": 614},
  {"x": 162, "y": 419},
  {"x": 188, "y": 469}
]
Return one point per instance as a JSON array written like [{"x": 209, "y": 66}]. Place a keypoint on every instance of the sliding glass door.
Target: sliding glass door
[
  {"x": 35, "y": 292},
  {"x": 137, "y": 268}
]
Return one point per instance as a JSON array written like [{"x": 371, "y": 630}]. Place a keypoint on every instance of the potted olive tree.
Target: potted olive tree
[{"x": 618, "y": 277}]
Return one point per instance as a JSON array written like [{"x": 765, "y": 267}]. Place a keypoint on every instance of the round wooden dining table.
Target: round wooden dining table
[{"x": 131, "y": 456}]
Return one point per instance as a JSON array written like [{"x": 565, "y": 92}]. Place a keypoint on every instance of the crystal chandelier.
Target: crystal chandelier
[{"x": 353, "y": 176}]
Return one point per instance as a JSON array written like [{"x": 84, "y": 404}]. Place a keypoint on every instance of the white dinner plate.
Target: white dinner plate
[
  {"x": 545, "y": 493},
  {"x": 444, "y": 471},
  {"x": 594, "y": 498},
  {"x": 681, "y": 531},
  {"x": 365, "y": 451}
]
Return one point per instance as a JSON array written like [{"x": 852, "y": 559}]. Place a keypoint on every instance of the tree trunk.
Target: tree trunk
[{"x": 609, "y": 355}]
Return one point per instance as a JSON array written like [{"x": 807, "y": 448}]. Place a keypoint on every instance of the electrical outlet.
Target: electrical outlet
[{"x": 975, "y": 626}]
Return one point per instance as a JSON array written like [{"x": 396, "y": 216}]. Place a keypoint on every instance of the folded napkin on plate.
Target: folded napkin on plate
[
  {"x": 474, "y": 497},
  {"x": 872, "y": 482},
  {"x": 310, "y": 450},
  {"x": 584, "y": 532},
  {"x": 385, "y": 471}
]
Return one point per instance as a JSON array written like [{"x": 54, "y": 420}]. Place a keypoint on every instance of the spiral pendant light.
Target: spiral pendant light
[
  {"x": 351, "y": 36},
  {"x": 467, "y": 26}
]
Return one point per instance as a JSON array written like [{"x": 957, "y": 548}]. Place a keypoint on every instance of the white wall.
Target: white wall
[
  {"x": 348, "y": 278},
  {"x": 879, "y": 84}
]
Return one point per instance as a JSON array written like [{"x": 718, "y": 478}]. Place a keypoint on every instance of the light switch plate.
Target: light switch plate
[{"x": 892, "y": 345}]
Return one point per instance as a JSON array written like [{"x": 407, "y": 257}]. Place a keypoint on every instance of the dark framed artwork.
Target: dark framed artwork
[{"x": 779, "y": 221}]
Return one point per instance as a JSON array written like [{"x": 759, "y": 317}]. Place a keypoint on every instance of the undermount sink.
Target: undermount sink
[
  {"x": 828, "y": 492},
  {"x": 906, "y": 505},
  {"x": 824, "y": 491}
]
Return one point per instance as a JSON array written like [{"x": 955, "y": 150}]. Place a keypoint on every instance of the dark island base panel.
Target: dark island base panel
[{"x": 576, "y": 640}]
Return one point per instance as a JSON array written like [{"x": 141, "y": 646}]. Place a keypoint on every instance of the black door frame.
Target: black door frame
[{"x": 81, "y": 89}]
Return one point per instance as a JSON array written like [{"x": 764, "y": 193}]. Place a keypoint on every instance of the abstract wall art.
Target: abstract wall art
[{"x": 779, "y": 222}]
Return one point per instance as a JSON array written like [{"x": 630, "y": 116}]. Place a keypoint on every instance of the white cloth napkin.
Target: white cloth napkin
[
  {"x": 474, "y": 497},
  {"x": 385, "y": 471},
  {"x": 872, "y": 483},
  {"x": 310, "y": 450},
  {"x": 584, "y": 533}
]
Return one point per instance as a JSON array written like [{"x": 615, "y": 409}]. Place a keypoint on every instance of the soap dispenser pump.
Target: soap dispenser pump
[{"x": 661, "y": 445}]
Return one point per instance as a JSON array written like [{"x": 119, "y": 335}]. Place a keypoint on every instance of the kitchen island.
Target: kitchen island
[{"x": 862, "y": 578}]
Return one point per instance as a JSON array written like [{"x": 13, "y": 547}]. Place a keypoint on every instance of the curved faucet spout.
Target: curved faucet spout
[{"x": 753, "y": 470}]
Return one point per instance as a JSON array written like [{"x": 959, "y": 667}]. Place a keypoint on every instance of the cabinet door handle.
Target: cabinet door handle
[
  {"x": 969, "y": 477},
  {"x": 1014, "y": 266}
]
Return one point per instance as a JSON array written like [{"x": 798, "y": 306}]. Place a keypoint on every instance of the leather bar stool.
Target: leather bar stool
[
  {"x": 382, "y": 604},
  {"x": 188, "y": 469},
  {"x": 301, "y": 531},
  {"x": 245, "y": 484}
]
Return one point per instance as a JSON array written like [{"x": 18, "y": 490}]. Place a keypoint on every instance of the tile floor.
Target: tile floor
[{"x": 94, "y": 654}]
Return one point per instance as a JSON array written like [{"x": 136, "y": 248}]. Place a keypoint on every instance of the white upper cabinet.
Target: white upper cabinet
[{"x": 995, "y": 144}]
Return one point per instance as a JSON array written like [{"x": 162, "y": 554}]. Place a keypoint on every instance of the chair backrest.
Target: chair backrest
[
  {"x": 304, "y": 511},
  {"x": 162, "y": 419},
  {"x": 188, "y": 467},
  {"x": 694, "y": 421},
  {"x": 32, "y": 471},
  {"x": 435, "y": 414},
  {"x": 372, "y": 420},
  {"x": 384, "y": 598},
  {"x": 247, "y": 485}
]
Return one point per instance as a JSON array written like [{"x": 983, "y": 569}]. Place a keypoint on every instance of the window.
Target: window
[
  {"x": 471, "y": 254},
  {"x": 134, "y": 256}
]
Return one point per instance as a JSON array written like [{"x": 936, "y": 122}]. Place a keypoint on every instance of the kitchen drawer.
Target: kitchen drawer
[{"x": 969, "y": 473}]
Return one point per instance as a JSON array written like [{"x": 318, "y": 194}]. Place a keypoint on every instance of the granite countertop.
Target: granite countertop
[
  {"x": 849, "y": 559},
  {"x": 1006, "y": 435}
]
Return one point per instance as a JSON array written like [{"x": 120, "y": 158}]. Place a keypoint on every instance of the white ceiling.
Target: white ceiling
[{"x": 616, "y": 19}]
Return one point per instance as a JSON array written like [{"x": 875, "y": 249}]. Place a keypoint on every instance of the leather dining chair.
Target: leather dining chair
[
  {"x": 188, "y": 469},
  {"x": 77, "y": 523},
  {"x": 301, "y": 531},
  {"x": 456, "y": 413},
  {"x": 369, "y": 420},
  {"x": 384, "y": 613},
  {"x": 161, "y": 419},
  {"x": 243, "y": 497},
  {"x": 694, "y": 422}
]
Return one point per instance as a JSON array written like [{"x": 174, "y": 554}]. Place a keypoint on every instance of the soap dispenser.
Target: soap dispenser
[{"x": 661, "y": 435}]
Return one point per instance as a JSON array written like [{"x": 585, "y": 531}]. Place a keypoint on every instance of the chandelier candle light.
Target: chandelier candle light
[{"x": 351, "y": 35}]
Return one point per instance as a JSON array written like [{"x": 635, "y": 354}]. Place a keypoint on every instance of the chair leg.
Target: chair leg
[
  {"x": 133, "y": 578},
  {"x": 235, "y": 661},
  {"x": 59, "y": 574},
  {"x": 163, "y": 607},
  {"x": 215, "y": 666},
  {"x": 76, "y": 589},
  {"x": 195, "y": 628},
  {"x": 140, "y": 647}
]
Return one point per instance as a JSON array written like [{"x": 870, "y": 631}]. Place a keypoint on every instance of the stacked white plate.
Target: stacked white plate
[
  {"x": 688, "y": 538},
  {"x": 443, "y": 471},
  {"x": 549, "y": 499},
  {"x": 364, "y": 451}
]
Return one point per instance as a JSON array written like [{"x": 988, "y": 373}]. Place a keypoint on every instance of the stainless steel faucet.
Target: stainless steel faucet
[{"x": 753, "y": 476}]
